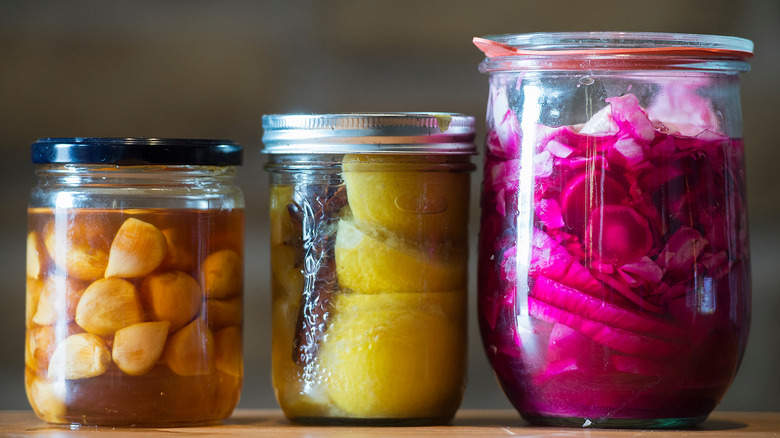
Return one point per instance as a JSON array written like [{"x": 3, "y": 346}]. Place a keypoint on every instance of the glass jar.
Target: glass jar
[
  {"x": 614, "y": 274},
  {"x": 134, "y": 281},
  {"x": 369, "y": 249}
]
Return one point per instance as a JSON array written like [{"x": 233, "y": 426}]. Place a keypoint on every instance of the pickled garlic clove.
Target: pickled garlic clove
[
  {"x": 47, "y": 399},
  {"x": 138, "y": 249},
  {"x": 38, "y": 347},
  {"x": 86, "y": 264},
  {"x": 108, "y": 305},
  {"x": 228, "y": 351},
  {"x": 41, "y": 342},
  {"x": 179, "y": 254},
  {"x": 138, "y": 347},
  {"x": 224, "y": 313},
  {"x": 222, "y": 273},
  {"x": 190, "y": 351},
  {"x": 171, "y": 296},
  {"x": 79, "y": 356},
  {"x": 79, "y": 248},
  {"x": 32, "y": 296},
  {"x": 35, "y": 255},
  {"x": 58, "y": 300}
]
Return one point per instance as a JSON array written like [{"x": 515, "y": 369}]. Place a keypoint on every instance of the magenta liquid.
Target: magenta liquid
[{"x": 614, "y": 276}]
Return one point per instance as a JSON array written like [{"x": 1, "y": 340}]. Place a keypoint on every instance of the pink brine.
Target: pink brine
[{"x": 620, "y": 293}]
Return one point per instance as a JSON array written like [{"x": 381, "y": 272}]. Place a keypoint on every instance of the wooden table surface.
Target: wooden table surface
[{"x": 466, "y": 424}]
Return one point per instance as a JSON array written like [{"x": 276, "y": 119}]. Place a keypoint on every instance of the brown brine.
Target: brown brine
[{"x": 160, "y": 340}]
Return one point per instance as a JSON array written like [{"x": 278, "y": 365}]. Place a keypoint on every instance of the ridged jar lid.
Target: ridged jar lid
[
  {"x": 133, "y": 151},
  {"x": 382, "y": 133}
]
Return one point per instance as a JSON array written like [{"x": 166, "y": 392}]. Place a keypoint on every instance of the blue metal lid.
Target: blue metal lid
[{"x": 132, "y": 151}]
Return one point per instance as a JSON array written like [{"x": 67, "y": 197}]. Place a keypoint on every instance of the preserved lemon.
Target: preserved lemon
[
  {"x": 402, "y": 194},
  {"x": 369, "y": 258},
  {"x": 395, "y": 355},
  {"x": 367, "y": 263}
]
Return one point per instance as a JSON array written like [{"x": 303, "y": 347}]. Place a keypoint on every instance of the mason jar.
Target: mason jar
[
  {"x": 369, "y": 252},
  {"x": 134, "y": 281},
  {"x": 614, "y": 271}
]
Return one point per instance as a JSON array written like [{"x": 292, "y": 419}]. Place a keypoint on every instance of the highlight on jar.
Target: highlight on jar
[
  {"x": 133, "y": 315},
  {"x": 369, "y": 251},
  {"x": 614, "y": 274}
]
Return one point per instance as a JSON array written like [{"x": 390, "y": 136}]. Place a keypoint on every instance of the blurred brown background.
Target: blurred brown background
[{"x": 211, "y": 69}]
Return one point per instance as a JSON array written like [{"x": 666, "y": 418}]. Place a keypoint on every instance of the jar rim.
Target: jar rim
[
  {"x": 133, "y": 151},
  {"x": 614, "y": 50},
  {"x": 376, "y": 133}
]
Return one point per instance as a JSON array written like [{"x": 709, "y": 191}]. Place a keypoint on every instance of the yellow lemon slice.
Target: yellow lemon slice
[
  {"x": 395, "y": 355},
  {"x": 372, "y": 264},
  {"x": 407, "y": 196}
]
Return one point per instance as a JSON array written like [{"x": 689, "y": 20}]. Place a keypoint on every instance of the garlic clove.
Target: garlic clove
[
  {"x": 222, "y": 273},
  {"x": 78, "y": 248},
  {"x": 229, "y": 352},
  {"x": 138, "y": 347},
  {"x": 36, "y": 253},
  {"x": 79, "y": 356},
  {"x": 138, "y": 249},
  {"x": 32, "y": 296},
  {"x": 48, "y": 399},
  {"x": 224, "y": 313},
  {"x": 41, "y": 342},
  {"x": 172, "y": 296},
  {"x": 190, "y": 351},
  {"x": 58, "y": 300},
  {"x": 179, "y": 255},
  {"x": 108, "y": 305}
]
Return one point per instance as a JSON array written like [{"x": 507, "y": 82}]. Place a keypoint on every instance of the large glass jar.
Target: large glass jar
[
  {"x": 134, "y": 281},
  {"x": 369, "y": 248},
  {"x": 614, "y": 275}
]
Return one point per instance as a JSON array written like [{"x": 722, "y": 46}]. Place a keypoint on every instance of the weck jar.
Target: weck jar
[
  {"x": 614, "y": 273},
  {"x": 369, "y": 257},
  {"x": 134, "y": 281}
]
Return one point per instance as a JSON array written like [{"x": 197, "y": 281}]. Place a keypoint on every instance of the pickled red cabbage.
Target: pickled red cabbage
[{"x": 604, "y": 299}]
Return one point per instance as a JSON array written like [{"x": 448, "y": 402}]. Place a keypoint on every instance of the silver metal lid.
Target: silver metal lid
[{"x": 383, "y": 133}]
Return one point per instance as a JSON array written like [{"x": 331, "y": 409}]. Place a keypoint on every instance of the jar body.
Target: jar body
[
  {"x": 369, "y": 260},
  {"x": 134, "y": 295},
  {"x": 614, "y": 279}
]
